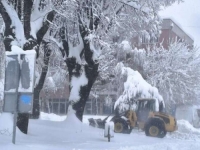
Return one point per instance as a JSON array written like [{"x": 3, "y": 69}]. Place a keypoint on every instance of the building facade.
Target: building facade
[{"x": 170, "y": 33}]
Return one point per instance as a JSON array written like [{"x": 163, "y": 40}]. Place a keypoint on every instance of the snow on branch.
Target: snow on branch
[
  {"x": 76, "y": 84},
  {"x": 38, "y": 16},
  {"x": 135, "y": 87},
  {"x": 75, "y": 51},
  {"x": 37, "y": 12},
  {"x": 17, "y": 25},
  {"x": 175, "y": 71}
]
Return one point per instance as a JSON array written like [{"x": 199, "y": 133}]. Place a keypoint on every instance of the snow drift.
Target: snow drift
[{"x": 185, "y": 131}]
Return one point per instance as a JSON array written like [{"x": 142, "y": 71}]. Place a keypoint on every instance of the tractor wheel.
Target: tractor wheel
[
  {"x": 155, "y": 128},
  {"x": 162, "y": 133},
  {"x": 121, "y": 126}
]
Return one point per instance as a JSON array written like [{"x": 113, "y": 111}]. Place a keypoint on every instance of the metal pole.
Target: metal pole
[
  {"x": 15, "y": 119},
  {"x": 16, "y": 106},
  {"x": 14, "y": 127}
]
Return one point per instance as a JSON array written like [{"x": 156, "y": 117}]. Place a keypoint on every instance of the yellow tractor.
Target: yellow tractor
[{"x": 148, "y": 116}]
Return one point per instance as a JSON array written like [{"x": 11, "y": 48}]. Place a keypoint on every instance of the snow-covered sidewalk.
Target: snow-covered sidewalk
[{"x": 59, "y": 135}]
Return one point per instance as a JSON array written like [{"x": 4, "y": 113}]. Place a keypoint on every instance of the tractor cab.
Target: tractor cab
[
  {"x": 148, "y": 104},
  {"x": 147, "y": 108},
  {"x": 144, "y": 107}
]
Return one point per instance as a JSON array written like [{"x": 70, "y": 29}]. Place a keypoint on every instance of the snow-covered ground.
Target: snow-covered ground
[{"x": 52, "y": 132}]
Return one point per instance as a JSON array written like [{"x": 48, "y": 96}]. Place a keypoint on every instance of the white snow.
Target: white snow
[
  {"x": 95, "y": 49},
  {"x": 134, "y": 85},
  {"x": 16, "y": 50},
  {"x": 76, "y": 83},
  {"x": 6, "y": 123},
  {"x": 36, "y": 25},
  {"x": 16, "y": 24},
  {"x": 185, "y": 127},
  {"x": 126, "y": 45},
  {"x": 51, "y": 117},
  {"x": 189, "y": 113},
  {"x": 60, "y": 135},
  {"x": 185, "y": 131},
  {"x": 37, "y": 17}
]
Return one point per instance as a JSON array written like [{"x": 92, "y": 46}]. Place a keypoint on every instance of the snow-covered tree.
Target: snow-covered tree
[
  {"x": 83, "y": 31},
  {"x": 175, "y": 72},
  {"x": 26, "y": 22},
  {"x": 142, "y": 21},
  {"x": 90, "y": 26},
  {"x": 135, "y": 87}
]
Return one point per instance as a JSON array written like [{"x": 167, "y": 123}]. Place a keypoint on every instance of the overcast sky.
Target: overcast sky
[{"x": 187, "y": 15}]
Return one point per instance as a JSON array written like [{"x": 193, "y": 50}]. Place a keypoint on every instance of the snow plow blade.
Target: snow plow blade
[{"x": 99, "y": 123}]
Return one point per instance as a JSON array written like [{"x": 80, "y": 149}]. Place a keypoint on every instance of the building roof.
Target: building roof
[{"x": 168, "y": 23}]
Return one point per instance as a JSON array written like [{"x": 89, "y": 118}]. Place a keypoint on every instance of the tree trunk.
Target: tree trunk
[
  {"x": 77, "y": 70},
  {"x": 91, "y": 74},
  {"x": 22, "y": 122},
  {"x": 38, "y": 88}
]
